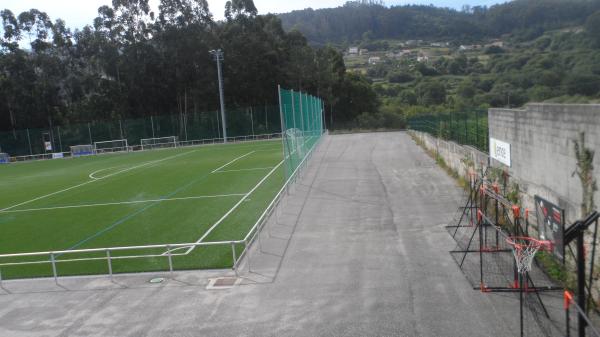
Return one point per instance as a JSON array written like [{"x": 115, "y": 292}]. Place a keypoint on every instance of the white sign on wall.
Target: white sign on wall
[{"x": 500, "y": 151}]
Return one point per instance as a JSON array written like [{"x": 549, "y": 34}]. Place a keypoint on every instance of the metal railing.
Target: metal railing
[
  {"x": 109, "y": 257},
  {"x": 264, "y": 217},
  {"x": 53, "y": 255}
]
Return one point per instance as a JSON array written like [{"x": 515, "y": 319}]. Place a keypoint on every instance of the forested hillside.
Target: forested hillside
[
  {"x": 131, "y": 62},
  {"x": 349, "y": 22}
]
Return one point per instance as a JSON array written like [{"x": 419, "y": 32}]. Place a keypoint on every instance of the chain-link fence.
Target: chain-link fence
[
  {"x": 186, "y": 127},
  {"x": 302, "y": 122},
  {"x": 467, "y": 128}
]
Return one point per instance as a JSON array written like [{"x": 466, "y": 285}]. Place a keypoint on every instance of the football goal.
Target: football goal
[
  {"x": 159, "y": 143},
  {"x": 4, "y": 158},
  {"x": 109, "y": 146},
  {"x": 82, "y": 150}
]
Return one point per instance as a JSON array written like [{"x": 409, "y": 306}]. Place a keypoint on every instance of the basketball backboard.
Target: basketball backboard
[{"x": 551, "y": 225}]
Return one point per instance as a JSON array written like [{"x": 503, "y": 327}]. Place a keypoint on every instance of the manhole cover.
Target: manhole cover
[{"x": 157, "y": 280}]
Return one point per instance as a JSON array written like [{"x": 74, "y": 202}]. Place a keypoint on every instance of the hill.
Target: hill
[{"x": 348, "y": 23}]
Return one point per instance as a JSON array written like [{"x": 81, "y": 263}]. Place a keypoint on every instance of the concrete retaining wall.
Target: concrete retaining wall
[
  {"x": 454, "y": 154},
  {"x": 542, "y": 150}
]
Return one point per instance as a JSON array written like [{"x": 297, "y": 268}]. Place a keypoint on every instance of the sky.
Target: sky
[{"x": 78, "y": 13}]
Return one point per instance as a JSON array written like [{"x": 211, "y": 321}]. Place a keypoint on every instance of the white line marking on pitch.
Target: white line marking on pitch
[
  {"x": 124, "y": 203},
  {"x": 248, "y": 169},
  {"x": 94, "y": 173},
  {"x": 91, "y": 181},
  {"x": 233, "y": 161},
  {"x": 146, "y": 164},
  {"x": 234, "y": 207}
]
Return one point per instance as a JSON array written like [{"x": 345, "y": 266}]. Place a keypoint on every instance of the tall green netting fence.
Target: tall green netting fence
[
  {"x": 302, "y": 125},
  {"x": 247, "y": 121},
  {"x": 467, "y": 128}
]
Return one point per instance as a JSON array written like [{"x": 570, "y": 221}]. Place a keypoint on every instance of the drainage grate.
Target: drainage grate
[{"x": 223, "y": 283}]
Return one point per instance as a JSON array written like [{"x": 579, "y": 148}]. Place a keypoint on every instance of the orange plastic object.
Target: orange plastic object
[
  {"x": 516, "y": 211},
  {"x": 568, "y": 299}
]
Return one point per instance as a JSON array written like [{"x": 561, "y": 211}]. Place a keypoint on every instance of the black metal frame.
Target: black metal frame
[{"x": 576, "y": 233}]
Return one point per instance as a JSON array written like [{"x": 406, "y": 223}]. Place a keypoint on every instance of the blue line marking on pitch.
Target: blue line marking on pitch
[{"x": 131, "y": 215}]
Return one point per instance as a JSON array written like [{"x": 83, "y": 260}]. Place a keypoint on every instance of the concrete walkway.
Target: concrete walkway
[{"x": 358, "y": 249}]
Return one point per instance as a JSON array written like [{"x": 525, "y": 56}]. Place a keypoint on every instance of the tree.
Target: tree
[
  {"x": 583, "y": 84},
  {"x": 240, "y": 8},
  {"x": 592, "y": 26},
  {"x": 37, "y": 26},
  {"x": 12, "y": 30},
  {"x": 182, "y": 13},
  {"x": 466, "y": 89},
  {"x": 431, "y": 93},
  {"x": 400, "y": 77},
  {"x": 131, "y": 17}
]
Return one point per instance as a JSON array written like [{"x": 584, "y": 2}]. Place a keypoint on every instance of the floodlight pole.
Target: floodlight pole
[{"x": 218, "y": 56}]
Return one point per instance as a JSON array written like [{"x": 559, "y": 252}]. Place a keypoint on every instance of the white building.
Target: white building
[{"x": 374, "y": 59}]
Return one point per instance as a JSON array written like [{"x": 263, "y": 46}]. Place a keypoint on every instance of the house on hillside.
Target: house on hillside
[
  {"x": 353, "y": 51},
  {"x": 439, "y": 44},
  {"x": 413, "y": 43},
  {"x": 422, "y": 58},
  {"x": 363, "y": 52},
  {"x": 374, "y": 59},
  {"x": 496, "y": 43},
  {"x": 469, "y": 47}
]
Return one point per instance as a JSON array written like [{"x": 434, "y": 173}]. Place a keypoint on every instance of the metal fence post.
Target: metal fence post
[
  {"x": 29, "y": 141},
  {"x": 59, "y": 139},
  {"x": 234, "y": 258},
  {"x": 477, "y": 129},
  {"x": 259, "y": 239},
  {"x": 53, "y": 260},
  {"x": 152, "y": 124},
  {"x": 108, "y": 259},
  {"x": 247, "y": 255},
  {"x": 121, "y": 128},
  {"x": 466, "y": 134},
  {"x": 170, "y": 257}
]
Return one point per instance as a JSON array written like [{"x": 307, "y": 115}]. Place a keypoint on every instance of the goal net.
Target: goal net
[
  {"x": 82, "y": 150},
  {"x": 159, "y": 143},
  {"x": 302, "y": 126},
  {"x": 4, "y": 158},
  {"x": 109, "y": 146}
]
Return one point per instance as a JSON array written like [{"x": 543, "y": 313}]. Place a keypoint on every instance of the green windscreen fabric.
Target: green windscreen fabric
[
  {"x": 302, "y": 125},
  {"x": 247, "y": 121}
]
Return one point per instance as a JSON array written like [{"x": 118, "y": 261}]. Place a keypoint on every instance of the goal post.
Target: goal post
[
  {"x": 82, "y": 150},
  {"x": 159, "y": 143},
  {"x": 110, "y": 146}
]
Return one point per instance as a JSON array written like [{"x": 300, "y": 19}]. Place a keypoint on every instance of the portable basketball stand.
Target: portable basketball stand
[
  {"x": 576, "y": 233},
  {"x": 483, "y": 196},
  {"x": 470, "y": 205}
]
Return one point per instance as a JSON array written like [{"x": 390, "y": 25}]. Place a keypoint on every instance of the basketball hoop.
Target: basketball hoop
[{"x": 524, "y": 249}]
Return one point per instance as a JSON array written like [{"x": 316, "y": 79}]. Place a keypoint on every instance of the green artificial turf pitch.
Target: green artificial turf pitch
[{"x": 133, "y": 199}]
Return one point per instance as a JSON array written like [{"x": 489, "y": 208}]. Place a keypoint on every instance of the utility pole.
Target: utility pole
[{"x": 218, "y": 56}]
